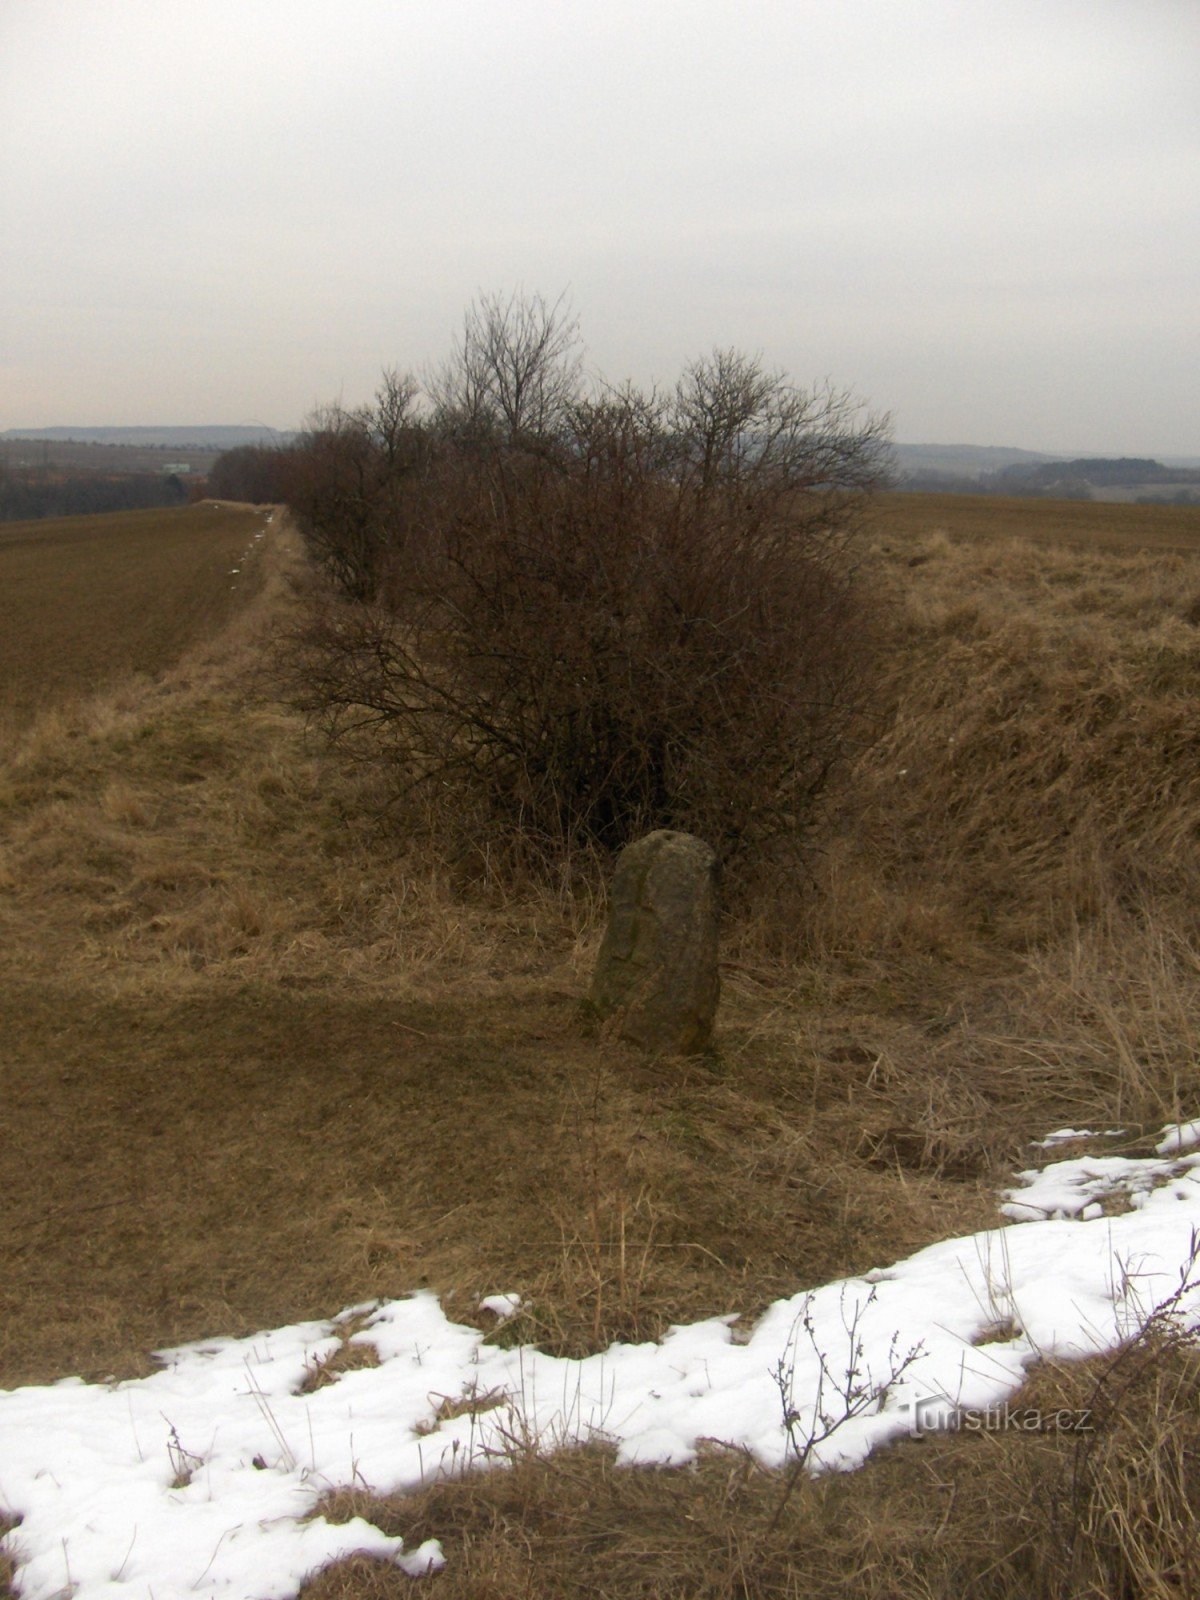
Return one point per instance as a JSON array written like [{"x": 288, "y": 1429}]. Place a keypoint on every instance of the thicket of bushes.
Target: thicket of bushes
[
  {"x": 259, "y": 474},
  {"x": 570, "y": 614}
]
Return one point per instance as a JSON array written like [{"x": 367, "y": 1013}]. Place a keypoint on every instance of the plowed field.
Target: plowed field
[{"x": 84, "y": 601}]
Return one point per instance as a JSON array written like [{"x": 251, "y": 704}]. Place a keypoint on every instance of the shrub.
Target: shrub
[
  {"x": 252, "y": 472},
  {"x": 347, "y": 481},
  {"x": 594, "y": 616}
]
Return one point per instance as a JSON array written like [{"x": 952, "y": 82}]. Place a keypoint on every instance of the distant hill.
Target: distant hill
[
  {"x": 201, "y": 436},
  {"x": 998, "y": 469},
  {"x": 1097, "y": 472},
  {"x": 963, "y": 460}
]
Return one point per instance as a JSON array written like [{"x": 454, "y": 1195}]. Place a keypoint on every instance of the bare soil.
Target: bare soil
[{"x": 85, "y": 601}]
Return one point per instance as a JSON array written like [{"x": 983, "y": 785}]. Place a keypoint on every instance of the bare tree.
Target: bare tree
[
  {"x": 590, "y": 614},
  {"x": 347, "y": 483},
  {"x": 395, "y": 422},
  {"x": 515, "y": 371},
  {"x": 743, "y": 429}
]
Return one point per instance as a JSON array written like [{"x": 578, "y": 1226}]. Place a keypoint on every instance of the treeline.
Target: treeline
[
  {"x": 25, "y": 496},
  {"x": 1098, "y": 471},
  {"x": 564, "y": 613},
  {"x": 1065, "y": 480},
  {"x": 255, "y": 473}
]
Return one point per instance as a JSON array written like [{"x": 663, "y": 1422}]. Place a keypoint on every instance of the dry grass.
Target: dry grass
[
  {"x": 1095, "y": 1500},
  {"x": 1026, "y": 836},
  {"x": 992, "y": 1515},
  {"x": 266, "y": 1059}
]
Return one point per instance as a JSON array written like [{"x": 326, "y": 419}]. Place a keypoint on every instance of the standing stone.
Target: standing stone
[{"x": 656, "y": 979}]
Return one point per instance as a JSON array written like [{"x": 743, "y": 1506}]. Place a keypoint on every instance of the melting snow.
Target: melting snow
[
  {"x": 201, "y": 1480},
  {"x": 501, "y": 1305},
  {"x": 1178, "y": 1136}
]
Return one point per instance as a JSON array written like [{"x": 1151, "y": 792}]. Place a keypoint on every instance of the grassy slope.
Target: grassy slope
[
  {"x": 257, "y": 1033},
  {"x": 264, "y": 1063}
]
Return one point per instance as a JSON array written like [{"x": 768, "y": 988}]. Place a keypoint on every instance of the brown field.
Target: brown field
[
  {"x": 84, "y": 601},
  {"x": 264, "y": 1058},
  {"x": 1088, "y": 525}
]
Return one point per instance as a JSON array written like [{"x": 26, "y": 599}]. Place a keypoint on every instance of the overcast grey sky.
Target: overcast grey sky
[{"x": 981, "y": 215}]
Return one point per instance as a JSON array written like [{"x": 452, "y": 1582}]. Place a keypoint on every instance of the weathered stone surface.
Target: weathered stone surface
[{"x": 656, "y": 978}]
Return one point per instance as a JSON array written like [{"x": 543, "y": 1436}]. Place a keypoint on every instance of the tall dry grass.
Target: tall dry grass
[
  {"x": 1025, "y": 838},
  {"x": 999, "y": 1515},
  {"x": 182, "y": 828}
]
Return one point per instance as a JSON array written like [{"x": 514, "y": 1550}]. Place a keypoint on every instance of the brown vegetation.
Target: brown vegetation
[
  {"x": 999, "y": 1516},
  {"x": 85, "y": 601},
  {"x": 265, "y": 1059},
  {"x": 563, "y": 620},
  {"x": 1089, "y": 526}
]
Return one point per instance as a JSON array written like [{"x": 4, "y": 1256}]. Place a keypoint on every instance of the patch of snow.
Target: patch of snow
[
  {"x": 1064, "y": 1135},
  {"x": 202, "y": 1479},
  {"x": 502, "y": 1305},
  {"x": 1178, "y": 1136},
  {"x": 1075, "y": 1188}
]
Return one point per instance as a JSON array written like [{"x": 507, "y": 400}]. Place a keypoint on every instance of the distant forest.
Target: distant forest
[
  {"x": 261, "y": 474},
  {"x": 1139, "y": 479},
  {"x": 74, "y": 477},
  {"x": 62, "y": 472},
  {"x": 26, "y": 494}
]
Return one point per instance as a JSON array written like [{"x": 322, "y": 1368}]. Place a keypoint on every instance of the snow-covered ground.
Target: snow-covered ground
[{"x": 200, "y": 1480}]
